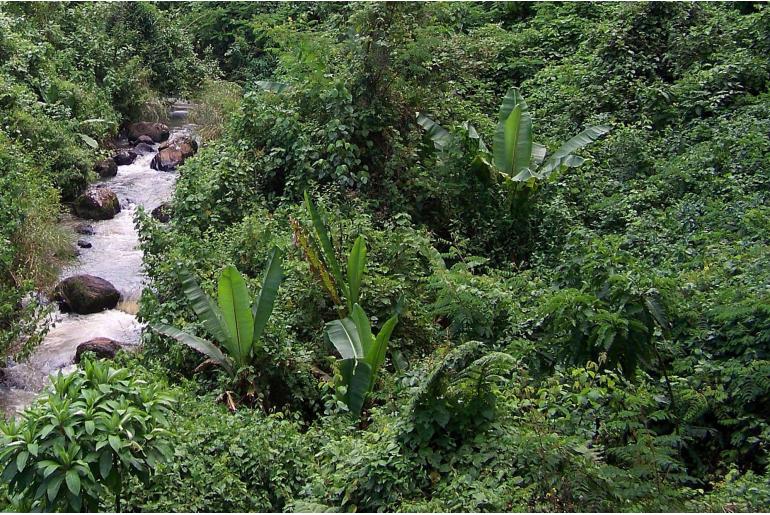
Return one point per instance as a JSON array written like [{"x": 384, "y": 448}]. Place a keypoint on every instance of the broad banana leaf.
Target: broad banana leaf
[
  {"x": 376, "y": 357},
  {"x": 196, "y": 343},
  {"x": 363, "y": 328},
  {"x": 273, "y": 87},
  {"x": 235, "y": 304},
  {"x": 357, "y": 376},
  {"x": 513, "y": 137},
  {"x": 482, "y": 167},
  {"x": 356, "y": 264},
  {"x": 538, "y": 154},
  {"x": 524, "y": 175},
  {"x": 205, "y": 308},
  {"x": 88, "y": 140},
  {"x": 343, "y": 334},
  {"x": 439, "y": 135},
  {"x": 560, "y": 157},
  {"x": 326, "y": 244},
  {"x": 263, "y": 305}
]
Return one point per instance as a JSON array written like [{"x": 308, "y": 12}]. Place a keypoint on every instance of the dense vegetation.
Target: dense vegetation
[{"x": 403, "y": 321}]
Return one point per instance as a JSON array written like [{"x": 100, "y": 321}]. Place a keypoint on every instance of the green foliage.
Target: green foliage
[
  {"x": 234, "y": 322},
  {"x": 77, "y": 445},
  {"x": 363, "y": 354}
]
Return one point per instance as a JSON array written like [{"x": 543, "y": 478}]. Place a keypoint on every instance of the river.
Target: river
[{"x": 115, "y": 256}]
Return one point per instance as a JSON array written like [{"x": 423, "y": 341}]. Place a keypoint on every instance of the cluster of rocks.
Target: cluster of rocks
[
  {"x": 85, "y": 294},
  {"x": 173, "y": 152}
]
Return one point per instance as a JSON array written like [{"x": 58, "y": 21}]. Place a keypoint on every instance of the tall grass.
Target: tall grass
[{"x": 213, "y": 105}]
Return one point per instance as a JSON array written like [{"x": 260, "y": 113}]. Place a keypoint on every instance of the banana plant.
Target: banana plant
[
  {"x": 515, "y": 156},
  {"x": 323, "y": 260},
  {"x": 362, "y": 353},
  {"x": 236, "y": 325}
]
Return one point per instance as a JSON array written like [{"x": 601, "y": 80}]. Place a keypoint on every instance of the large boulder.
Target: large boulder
[
  {"x": 85, "y": 294},
  {"x": 103, "y": 348},
  {"x": 97, "y": 203},
  {"x": 157, "y": 131},
  {"x": 125, "y": 157},
  {"x": 106, "y": 168},
  {"x": 162, "y": 213},
  {"x": 144, "y": 148},
  {"x": 173, "y": 153}
]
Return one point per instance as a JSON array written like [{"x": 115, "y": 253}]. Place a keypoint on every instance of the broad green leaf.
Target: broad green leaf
[
  {"x": 560, "y": 157},
  {"x": 73, "y": 482},
  {"x": 356, "y": 264},
  {"x": 88, "y": 140},
  {"x": 326, "y": 244},
  {"x": 439, "y": 135},
  {"x": 357, "y": 376},
  {"x": 273, "y": 87},
  {"x": 21, "y": 460},
  {"x": 263, "y": 306},
  {"x": 343, "y": 334},
  {"x": 114, "y": 442},
  {"x": 235, "y": 304},
  {"x": 377, "y": 356},
  {"x": 105, "y": 464},
  {"x": 538, "y": 154},
  {"x": 363, "y": 328},
  {"x": 513, "y": 137},
  {"x": 199, "y": 344},
  {"x": 53, "y": 487},
  {"x": 205, "y": 307}
]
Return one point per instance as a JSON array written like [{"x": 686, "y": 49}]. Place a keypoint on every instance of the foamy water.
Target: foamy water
[{"x": 115, "y": 256}]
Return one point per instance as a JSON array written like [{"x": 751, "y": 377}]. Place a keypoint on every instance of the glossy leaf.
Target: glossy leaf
[
  {"x": 205, "y": 307},
  {"x": 440, "y": 136},
  {"x": 263, "y": 305},
  {"x": 562, "y": 156},
  {"x": 343, "y": 334},
  {"x": 194, "y": 342},
  {"x": 235, "y": 303},
  {"x": 356, "y": 265},
  {"x": 357, "y": 376}
]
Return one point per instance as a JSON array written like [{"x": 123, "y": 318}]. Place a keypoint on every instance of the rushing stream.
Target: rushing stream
[{"x": 114, "y": 256}]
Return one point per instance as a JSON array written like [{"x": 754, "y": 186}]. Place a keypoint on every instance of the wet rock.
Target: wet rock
[
  {"x": 125, "y": 157},
  {"x": 97, "y": 203},
  {"x": 157, "y": 131},
  {"x": 85, "y": 294},
  {"x": 83, "y": 244},
  {"x": 106, "y": 168},
  {"x": 162, "y": 213},
  {"x": 174, "y": 152},
  {"x": 144, "y": 148},
  {"x": 84, "y": 228},
  {"x": 104, "y": 348},
  {"x": 145, "y": 139}
]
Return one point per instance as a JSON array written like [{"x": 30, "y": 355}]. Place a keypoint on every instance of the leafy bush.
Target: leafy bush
[{"x": 77, "y": 446}]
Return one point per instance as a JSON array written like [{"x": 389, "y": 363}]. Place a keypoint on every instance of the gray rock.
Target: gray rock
[
  {"x": 84, "y": 228},
  {"x": 156, "y": 131},
  {"x": 104, "y": 348},
  {"x": 125, "y": 157},
  {"x": 85, "y": 294},
  {"x": 174, "y": 152},
  {"x": 162, "y": 213},
  {"x": 144, "y": 148},
  {"x": 83, "y": 244},
  {"x": 106, "y": 168},
  {"x": 97, "y": 203}
]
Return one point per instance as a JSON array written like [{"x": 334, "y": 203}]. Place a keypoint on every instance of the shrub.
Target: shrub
[{"x": 76, "y": 447}]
